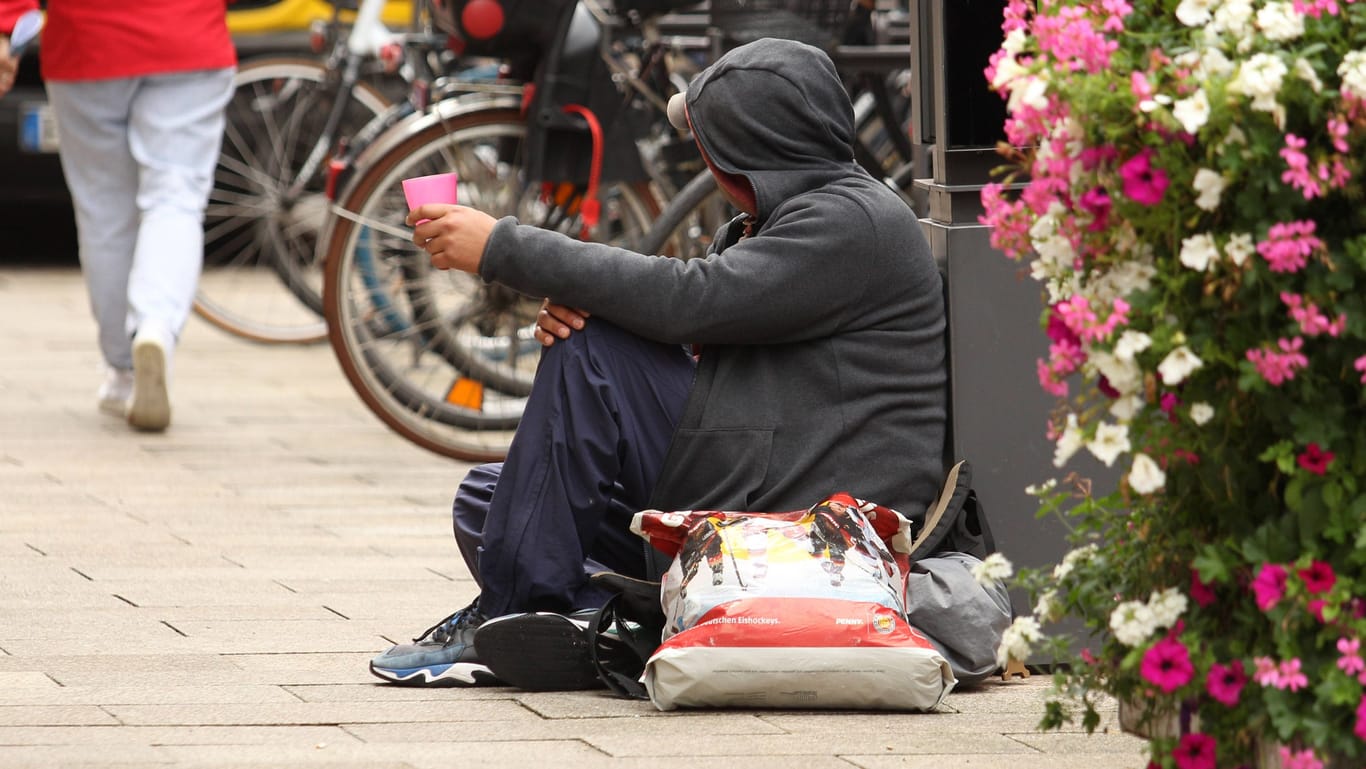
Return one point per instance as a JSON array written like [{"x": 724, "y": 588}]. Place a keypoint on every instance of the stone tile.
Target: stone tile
[
  {"x": 82, "y": 757},
  {"x": 733, "y": 727},
  {"x": 54, "y": 715},
  {"x": 987, "y": 761},
  {"x": 312, "y": 713},
  {"x": 173, "y": 735},
  {"x": 24, "y": 682},
  {"x": 190, "y": 692},
  {"x": 661, "y": 742}
]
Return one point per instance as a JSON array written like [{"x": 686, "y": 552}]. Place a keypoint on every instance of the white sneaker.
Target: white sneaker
[
  {"x": 150, "y": 406},
  {"x": 115, "y": 391}
]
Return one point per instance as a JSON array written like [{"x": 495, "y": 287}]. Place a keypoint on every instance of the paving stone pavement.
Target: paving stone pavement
[{"x": 209, "y": 597}]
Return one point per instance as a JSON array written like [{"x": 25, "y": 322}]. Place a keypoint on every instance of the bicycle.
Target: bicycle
[{"x": 261, "y": 278}]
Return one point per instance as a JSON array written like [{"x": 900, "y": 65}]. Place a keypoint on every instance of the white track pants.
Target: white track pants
[{"x": 139, "y": 156}]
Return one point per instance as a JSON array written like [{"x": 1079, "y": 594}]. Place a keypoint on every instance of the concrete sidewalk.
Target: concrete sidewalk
[{"x": 210, "y": 596}]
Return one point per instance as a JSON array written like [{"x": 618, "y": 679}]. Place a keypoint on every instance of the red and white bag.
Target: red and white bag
[{"x": 797, "y": 609}]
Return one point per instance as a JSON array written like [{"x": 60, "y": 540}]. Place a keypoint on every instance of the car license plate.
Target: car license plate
[{"x": 37, "y": 127}]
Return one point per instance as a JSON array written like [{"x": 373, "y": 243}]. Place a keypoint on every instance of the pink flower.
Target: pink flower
[
  {"x": 1288, "y": 245},
  {"x": 1303, "y": 759},
  {"x": 1292, "y": 677},
  {"x": 1360, "y": 365},
  {"x": 1195, "y": 751},
  {"x": 1167, "y": 665},
  {"x": 1267, "y": 674},
  {"x": 1269, "y": 586},
  {"x": 1225, "y": 682},
  {"x": 1312, "y": 320},
  {"x": 1319, "y": 576},
  {"x": 1350, "y": 662},
  {"x": 1316, "y": 608},
  {"x": 1143, "y": 183},
  {"x": 1316, "y": 461},
  {"x": 1200, "y": 591},
  {"x": 1278, "y": 367}
]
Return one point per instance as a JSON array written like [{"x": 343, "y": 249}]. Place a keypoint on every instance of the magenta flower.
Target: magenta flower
[
  {"x": 1269, "y": 586},
  {"x": 1319, "y": 576},
  {"x": 1316, "y": 461},
  {"x": 1143, "y": 183},
  {"x": 1200, "y": 591},
  {"x": 1225, "y": 682},
  {"x": 1195, "y": 751},
  {"x": 1096, "y": 201},
  {"x": 1167, "y": 665},
  {"x": 1299, "y": 759},
  {"x": 1360, "y": 729}
]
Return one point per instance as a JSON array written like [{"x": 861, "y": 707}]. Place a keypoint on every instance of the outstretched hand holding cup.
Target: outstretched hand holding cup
[
  {"x": 437, "y": 188},
  {"x": 454, "y": 235}
]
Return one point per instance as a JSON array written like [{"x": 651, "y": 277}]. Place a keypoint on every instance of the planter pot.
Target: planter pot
[
  {"x": 1141, "y": 719},
  {"x": 1269, "y": 757}
]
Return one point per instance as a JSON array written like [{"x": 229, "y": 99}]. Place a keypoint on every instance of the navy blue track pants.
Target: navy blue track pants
[{"x": 584, "y": 461}]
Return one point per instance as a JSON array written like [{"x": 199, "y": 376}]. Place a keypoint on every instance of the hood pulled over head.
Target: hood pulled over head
[{"x": 775, "y": 112}]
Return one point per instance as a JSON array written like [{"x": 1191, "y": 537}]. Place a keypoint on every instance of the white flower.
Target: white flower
[
  {"x": 1195, "y": 13},
  {"x": 1210, "y": 185},
  {"x": 1125, "y": 407},
  {"x": 1213, "y": 63},
  {"x": 1007, "y": 70},
  {"x": 1123, "y": 375},
  {"x": 1132, "y": 622},
  {"x": 1158, "y": 100},
  {"x": 1072, "y": 558},
  {"x": 1260, "y": 78},
  {"x": 1039, "y": 489},
  {"x": 1047, "y": 606},
  {"x": 995, "y": 568},
  {"x": 1014, "y": 42},
  {"x": 1239, "y": 248},
  {"x": 1201, "y": 412},
  {"x": 1069, "y": 442},
  {"x": 1126, "y": 277},
  {"x": 1198, "y": 252},
  {"x": 1017, "y": 639},
  {"x": 1110, "y": 441},
  {"x": 1305, "y": 71},
  {"x": 1145, "y": 476},
  {"x": 1353, "y": 73},
  {"x": 1178, "y": 365},
  {"x": 1167, "y": 606},
  {"x": 1280, "y": 21},
  {"x": 1192, "y": 112},
  {"x": 1131, "y": 343},
  {"x": 1233, "y": 17}
]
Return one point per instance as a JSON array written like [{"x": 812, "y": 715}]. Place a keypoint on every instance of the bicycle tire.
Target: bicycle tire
[
  {"x": 685, "y": 227},
  {"x": 261, "y": 278},
  {"x": 405, "y": 335}
]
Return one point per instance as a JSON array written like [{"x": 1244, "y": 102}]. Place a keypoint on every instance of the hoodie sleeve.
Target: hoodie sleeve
[{"x": 794, "y": 281}]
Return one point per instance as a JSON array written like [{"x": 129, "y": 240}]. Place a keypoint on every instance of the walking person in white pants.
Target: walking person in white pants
[{"x": 138, "y": 96}]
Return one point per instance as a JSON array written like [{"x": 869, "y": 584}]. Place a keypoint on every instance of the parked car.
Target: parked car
[{"x": 29, "y": 169}]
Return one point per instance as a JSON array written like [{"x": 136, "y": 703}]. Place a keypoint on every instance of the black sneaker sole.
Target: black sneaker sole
[{"x": 537, "y": 653}]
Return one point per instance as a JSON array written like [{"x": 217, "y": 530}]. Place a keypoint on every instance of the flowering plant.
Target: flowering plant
[{"x": 1186, "y": 183}]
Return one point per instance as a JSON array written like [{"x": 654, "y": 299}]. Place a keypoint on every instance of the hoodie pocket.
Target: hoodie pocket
[{"x": 716, "y": 469}]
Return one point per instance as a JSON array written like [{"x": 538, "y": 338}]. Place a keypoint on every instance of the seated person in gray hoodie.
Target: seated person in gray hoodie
[{"x": 802, "y": 356}]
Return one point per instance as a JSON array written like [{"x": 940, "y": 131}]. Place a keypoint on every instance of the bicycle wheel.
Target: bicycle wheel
[
  {"x": 261, "y": 278},
  {"x": 441, "y": 358},
  {"x": 688, "y": 223}
]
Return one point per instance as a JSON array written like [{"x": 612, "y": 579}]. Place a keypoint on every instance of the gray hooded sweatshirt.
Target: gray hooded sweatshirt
[{"x": 822, "y": 365}]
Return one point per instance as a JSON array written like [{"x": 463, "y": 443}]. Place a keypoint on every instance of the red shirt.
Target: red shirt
[{"x": 99, "y": 39}]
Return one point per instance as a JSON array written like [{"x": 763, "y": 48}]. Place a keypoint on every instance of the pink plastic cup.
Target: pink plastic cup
[{"x": 437, "y": 188}]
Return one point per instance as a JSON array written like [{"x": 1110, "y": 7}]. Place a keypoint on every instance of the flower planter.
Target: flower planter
[{"x": 1141, "y": 720}]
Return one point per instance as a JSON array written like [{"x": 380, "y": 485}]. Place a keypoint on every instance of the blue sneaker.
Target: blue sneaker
[{"x": 442, "y": 656}]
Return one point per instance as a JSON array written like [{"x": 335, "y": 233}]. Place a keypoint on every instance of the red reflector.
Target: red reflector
[{"x": 482, "y": 19}]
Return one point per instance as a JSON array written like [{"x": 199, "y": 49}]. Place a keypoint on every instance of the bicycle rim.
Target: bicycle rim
[
  {"x": 688, "y": 223},
  {"x": 262, "y": 279},
  {"x": 440, "y": 357}
]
